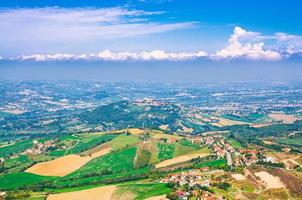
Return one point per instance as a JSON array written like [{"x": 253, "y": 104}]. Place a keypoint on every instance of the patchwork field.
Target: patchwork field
[
  {"x": 64, "y": 165},
  {"x": 141, "y": 191},
  {"x": 100, "y": 193}
]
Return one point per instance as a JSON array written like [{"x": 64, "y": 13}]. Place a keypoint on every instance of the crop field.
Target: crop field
[
  {"x": 19, "y": 179},
  {"x": 179, "y": 159},
  {"x": 64, "y": 165},
  {"x": 99, "y": 193},
  {"x": 165, "y": 151},
  {"x": 221, "y": 122},
  {"x": 140, "y": 191},
  {"x": 119, "y": 161},
  {"x": 15, "y": 148},
  {"x": 214, "y": 163},
  {"x": 284, "y": 118},
  {"x": 122, "y": 141}
]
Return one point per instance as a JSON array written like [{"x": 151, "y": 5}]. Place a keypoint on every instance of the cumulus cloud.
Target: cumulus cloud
[
  {"x": 242, "y": 44},
  {"x": 107, "y": 55}
]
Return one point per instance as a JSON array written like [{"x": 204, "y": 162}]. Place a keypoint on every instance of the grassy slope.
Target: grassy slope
[
  {"x": 83, "y": 143},
  {"x": 118, "y": 161},
  {"x": 143, "y": 191},
  {"x": 166, "y": 151},
  {"x": 214, "y": 163},
  {"x": 15, "y": 148},
  {"x": 15, "y": 180},
  {"x": 122, "y": 141}
]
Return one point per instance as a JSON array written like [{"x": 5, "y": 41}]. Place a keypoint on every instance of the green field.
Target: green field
[
  {"x": 185, "y": 147},
  {"x": 89, "y": 142},
  {"x": 213, "y": 163},
  {"x": 251, "y": 118},
  {"x": 235, "y": 143},
  {"x": 17, "y": 164},
  {"x": 143, "y": 191},
  {"x": 119, "y": 161},
  {"x": 15, "y": 180},
  {"x": 122, "y": 141},
  {"x": 81, "y": 143},
  {"x": 295, "y": 142},
  {"x": 165, "y": 151},
  {"x": 15, "y": 148}
]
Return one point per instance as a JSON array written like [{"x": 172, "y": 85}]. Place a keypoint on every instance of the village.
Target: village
[{"x": 196, "y": 182}]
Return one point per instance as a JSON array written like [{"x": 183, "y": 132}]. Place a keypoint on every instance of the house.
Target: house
[{"x": 182, "y": 195}]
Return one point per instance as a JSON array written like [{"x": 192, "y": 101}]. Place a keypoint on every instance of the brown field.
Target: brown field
[
  {"x": 292, "y": 182},
  {"x": 262, "y": 125},
  {"x": 269, "y": 180},
  {"x": 159, "y": 135},
  {"x": 179, "y": 159},
  {"x": 64, "y": 165},
  {"x": 238, "y": 177},
  {"x": 226, "y": 122},
  {"x": 287, "y": 119},
  {"x": 162, "y": 197},
  {"x": 164, "y": 127},
  {"x": 100, "y": 193}
]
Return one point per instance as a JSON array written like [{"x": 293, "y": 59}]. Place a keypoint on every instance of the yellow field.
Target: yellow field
[
  {"x": 64, "y": 165},
  {"x": 164, "y": 127},
  {"x": 287, "y": 119},
  {"x": 100, "y": 193},
  {"x": 226, "y": 122},
  {"x": 179, "y": 159},
  {"x": 133, "y": 131},
  {"x": 269, "y": 180},
  {"x": 161, "y": 197}
]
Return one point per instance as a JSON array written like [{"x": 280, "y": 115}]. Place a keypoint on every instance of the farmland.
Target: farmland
[{"x": 119, "y": 143}]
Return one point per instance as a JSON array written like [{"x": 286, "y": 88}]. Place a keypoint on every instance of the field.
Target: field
[
  {"x": 221, "y": 122},
  {"x": 214, "y": 163},
  {"x": 64, "y": 165},
  {"x": 269, "y": 180},
  {"x": 15, "y": 148},
  {"x": 287, "y": 119},
  {"x": 179, "y": 159},
  {"x": 140, "y": 191},
  {"x": 166, "y": 151},
  {"x": 235, "y": 143},
  {"x": 15, "y": 180},
  {"x": 99, "y": 193},
  {"x": 115, "y": 162}
]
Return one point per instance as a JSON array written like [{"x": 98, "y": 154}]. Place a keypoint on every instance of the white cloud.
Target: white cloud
[
  {"x": 241, "y": 44},
  {"x": 156, "y": 55},
  {"x": 36, "y": 26}
]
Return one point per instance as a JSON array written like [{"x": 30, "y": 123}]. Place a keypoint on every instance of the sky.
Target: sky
[{"x": 151, "y": 39}]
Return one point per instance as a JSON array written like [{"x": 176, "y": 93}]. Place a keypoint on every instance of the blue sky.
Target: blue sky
[{"x": 177, "y": 31}]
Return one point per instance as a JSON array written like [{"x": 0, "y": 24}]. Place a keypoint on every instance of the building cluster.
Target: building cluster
[
  {"x": 223, "y": 149},
  {"x": 39, "y": 148},
  {"x": 194, "y": 177},
  {"x": 190, "y": 183}
]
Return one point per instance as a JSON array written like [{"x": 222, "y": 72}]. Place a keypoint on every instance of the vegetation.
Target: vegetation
[
  {"x": 15, "y": 148},
  {"x": 21, "y": 179}
]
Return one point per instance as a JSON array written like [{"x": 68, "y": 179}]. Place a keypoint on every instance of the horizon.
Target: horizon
[{"x": 150, "y": 40}]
